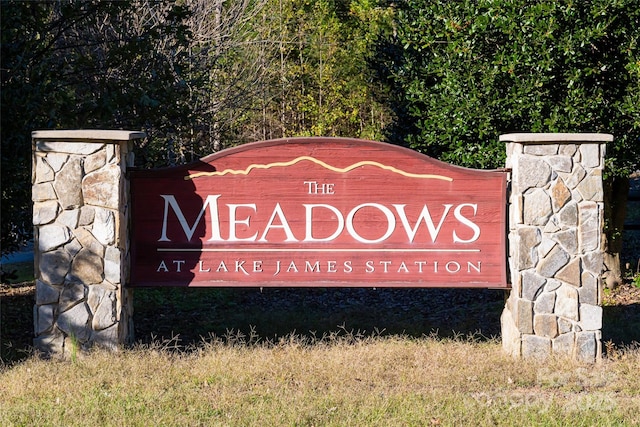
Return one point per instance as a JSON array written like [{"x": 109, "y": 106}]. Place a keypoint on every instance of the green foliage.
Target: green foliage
[
  {"x": 196, "y": 76},
  {"x": 464, "y": 72},
  {"x": 314, "y": 78},
  {"x": 84, "y": 65}
]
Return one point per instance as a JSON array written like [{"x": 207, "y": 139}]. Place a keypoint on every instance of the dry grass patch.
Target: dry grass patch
[{"x": 336, "y": 381}]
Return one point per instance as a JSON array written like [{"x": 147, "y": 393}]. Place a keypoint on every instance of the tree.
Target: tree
[
  {"x": 72, "y": 64},
  {"x": 196, "y": 75},
  {"x": 310, "y": 73},
  {"x": 330, "y": 86},
  {"x": 228, "y": 59},
  {"x": 464, "y": 72}
]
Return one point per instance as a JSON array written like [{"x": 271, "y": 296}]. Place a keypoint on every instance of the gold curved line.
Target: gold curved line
[{"x": 318, "y": 162}]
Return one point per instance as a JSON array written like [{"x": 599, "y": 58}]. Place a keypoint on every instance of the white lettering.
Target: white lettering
[
  {"x": 284, "y": 225},
  {"x": 292, "y": 267},
  {"x": 420, "y": 264},
  {"x": 347, "y": 267},
  {"x": 211, "y": 201},
  {"x": 403, "y": 268},
  {"x": 178, "y": 264},
  {"x": 240, "y": 267},
  {"x": 386, "y": 265},
  {"x": 464, "y": 220},
  {"x": 369, "y": 268},
  {"x": 277, "y": 268},
  {"x": 257, "y": 266},
  {"x": 313, "y": 268},
  {"x": 309, "y": 223},
  {"x": 424, "y": 215},
  {"x": 356, "y": 222},
  {"x": 391, "y": 222},
  {"x": 455, "y": 269},
  {"x": 314, "y": 187},
  {"x": 162, "y": 267},
  {"x": 201, "y": 267},
  {"x": 471, "y": 266},
  {"x": 233, "y": 222}
]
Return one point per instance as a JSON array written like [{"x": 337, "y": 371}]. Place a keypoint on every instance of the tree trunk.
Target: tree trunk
[{"x": 616, "y": 190}]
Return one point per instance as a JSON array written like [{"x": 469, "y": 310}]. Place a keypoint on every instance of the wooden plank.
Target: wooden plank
[{"x": 319, "y": 212}]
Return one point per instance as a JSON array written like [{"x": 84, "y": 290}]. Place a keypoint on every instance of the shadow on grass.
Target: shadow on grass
[
  {"x": 189, "y": 315},
  {"x": 192, "y": 314},
  {"x": 621, "y": 324},
  {"x": 16, "y": 322}
]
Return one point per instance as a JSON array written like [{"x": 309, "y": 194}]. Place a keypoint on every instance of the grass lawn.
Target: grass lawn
[
  {"x": 317, "y": 357},
  {"x": 337, "y": 381}
]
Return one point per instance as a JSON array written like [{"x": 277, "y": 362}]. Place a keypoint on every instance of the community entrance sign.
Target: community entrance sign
[{"x": 318, "y": 212}]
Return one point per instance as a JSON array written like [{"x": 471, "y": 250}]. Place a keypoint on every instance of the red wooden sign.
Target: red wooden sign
[{"x": 318, "y": 212}]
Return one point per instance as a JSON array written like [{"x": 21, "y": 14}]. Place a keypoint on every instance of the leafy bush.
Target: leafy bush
[{"x": 464, "y": 72}]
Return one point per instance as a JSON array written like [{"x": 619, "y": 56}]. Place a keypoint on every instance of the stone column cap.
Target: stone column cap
[
  {"x": 551, "y": 138},
  {"x": 88, "y": 135}
]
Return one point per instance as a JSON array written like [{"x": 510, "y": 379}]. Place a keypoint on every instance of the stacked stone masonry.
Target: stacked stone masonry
[
  {"x": 79, "y": 216},
  {"x": 555, "y": 255},
  {"x": 80, "y": 201}
]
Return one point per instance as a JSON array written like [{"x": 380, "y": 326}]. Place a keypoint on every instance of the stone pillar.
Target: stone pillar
[
  {"x": 555, "y": 253},
  {"x": 80, "y": 199}
]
